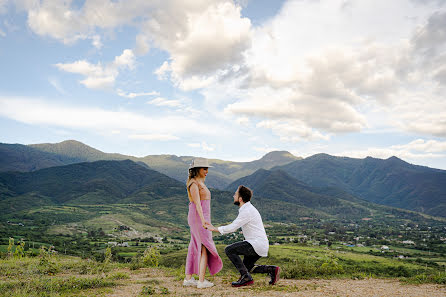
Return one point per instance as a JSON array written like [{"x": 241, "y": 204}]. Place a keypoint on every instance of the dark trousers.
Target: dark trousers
[{"x": 250, "y": 257}]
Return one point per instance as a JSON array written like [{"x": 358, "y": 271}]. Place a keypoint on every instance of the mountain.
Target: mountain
[
  {"x": 97, "y": 182},
  {"x": 279, "y": 186},
  {"x": 391, "y": 182},
  {"x": 222, "y": 174},
  {"x": 276, "y": 191},
  {"x": 18, "y": 157},
  {"x": 78, "y": 151},
  {"x": 107, "y": 193}
]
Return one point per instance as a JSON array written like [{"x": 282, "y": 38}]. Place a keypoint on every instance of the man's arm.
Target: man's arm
[{"x": 241, "y": 220}]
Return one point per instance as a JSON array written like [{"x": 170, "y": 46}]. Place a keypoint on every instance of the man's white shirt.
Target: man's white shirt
[{"x": 250, "y": 221}]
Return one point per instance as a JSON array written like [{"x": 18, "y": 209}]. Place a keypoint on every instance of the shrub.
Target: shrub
[
  {"x": 46, "y": 264},
  {"x": 151, "y": 256}
]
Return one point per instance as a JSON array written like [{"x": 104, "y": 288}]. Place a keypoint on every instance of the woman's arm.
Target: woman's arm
[{"x": 196, "y": 199}]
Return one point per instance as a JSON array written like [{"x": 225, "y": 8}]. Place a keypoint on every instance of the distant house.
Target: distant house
[
  {"x": 384, "y": 248},
  {"x": 112, "y": 243},
  {"x": 408, "y": 242}
]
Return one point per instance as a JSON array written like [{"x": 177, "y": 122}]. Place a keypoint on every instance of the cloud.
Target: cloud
[
  {"x": 265, "y": 149},
  {"x": 97, "y": 75},
  {"x": 323, "y": 80},
  {"x": 132, "y": 95},
  {"x": 3, "y": 6},
  {"x": 203, "y": 145},
  {"x": 422, "y": 145},
  {"x": 292, "y": 130},
  {"x": 154, "y": 137},
  {"x": 93, "y": 119},
  {"x": 312, "y": 70},
  {"x": 415, "y": 150},
  {"x": 56, "y": 84},
  {"x": 159, "y": 101},
  {"x": 63, "y": 21},
  {"x": 204, "y": 42}
]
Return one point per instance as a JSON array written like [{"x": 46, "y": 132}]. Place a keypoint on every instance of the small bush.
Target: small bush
[
  {"x": 148, "y": 290},
  {"x": 118, "y": 275},
  {"x": 46, "y": 264},
  {"x": 151, "y": 256}
]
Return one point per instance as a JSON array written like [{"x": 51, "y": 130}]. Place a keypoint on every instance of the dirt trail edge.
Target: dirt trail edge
[{"x": 157, "y": 282}]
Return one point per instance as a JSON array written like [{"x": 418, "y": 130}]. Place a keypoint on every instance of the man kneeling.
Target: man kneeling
[{"x": 256, "y": 243}]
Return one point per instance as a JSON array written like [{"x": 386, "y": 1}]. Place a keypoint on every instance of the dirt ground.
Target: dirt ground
[{"x": 159, "y": 282}]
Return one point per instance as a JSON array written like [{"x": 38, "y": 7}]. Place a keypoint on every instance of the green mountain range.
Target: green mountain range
[
  {"x": 17, "y": 157},
  {"x": 391, "y": 182},
  {"x": 109, "y": 194}
]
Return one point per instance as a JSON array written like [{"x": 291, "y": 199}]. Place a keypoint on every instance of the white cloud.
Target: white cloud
[
  {"x": 244, "y": 121},
  {"x": 265, "y": 149},
  {"x": 3, "y": 6},
  {"x": 325, "y": 74},
  {"x": 292, "y": 130},
  {"x": 159, "y": 101},
  {"x": 415, "y": 150},
  {"x": 41, "y": 112},
  {"x": 2, "y": 34},
  {"x": 203, "y": 145},
  {"x": 205, "y": 40},
  {"x": 97, "y": 75},
  {"x": 421, "y": 145},
  {"x": 154, "y": 137},
  {"x": 132, "y": 95},
  {"x": 56, "y": 84}
]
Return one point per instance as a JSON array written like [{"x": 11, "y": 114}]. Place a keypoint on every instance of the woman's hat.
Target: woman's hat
[{"x": 199, "y": 162}]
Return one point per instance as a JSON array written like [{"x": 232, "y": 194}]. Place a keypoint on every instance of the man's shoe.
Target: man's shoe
[
  {"x": 274, "y": 273},
  {"x": 244, "y": 280}
]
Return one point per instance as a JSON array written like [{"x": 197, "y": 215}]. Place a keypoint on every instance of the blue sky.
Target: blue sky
[{"x": 227, "y": 79}]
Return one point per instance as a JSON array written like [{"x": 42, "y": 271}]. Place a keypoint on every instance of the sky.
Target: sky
[{"x": 231, "y": 80}]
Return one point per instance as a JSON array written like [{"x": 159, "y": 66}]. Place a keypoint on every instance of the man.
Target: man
[{"x": 256, "y": 243}]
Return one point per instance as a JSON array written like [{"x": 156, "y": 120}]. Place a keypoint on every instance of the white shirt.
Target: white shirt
[{"x": 252, "y": 227}]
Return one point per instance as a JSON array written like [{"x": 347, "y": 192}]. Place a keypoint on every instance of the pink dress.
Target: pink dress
[{"x": 201, "y": 236}]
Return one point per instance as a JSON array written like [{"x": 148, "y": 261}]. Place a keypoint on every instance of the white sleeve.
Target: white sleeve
[{"x": 242, "y": 219}]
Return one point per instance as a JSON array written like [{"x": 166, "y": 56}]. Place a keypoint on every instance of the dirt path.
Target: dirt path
[{"x": 158, "y": 282}]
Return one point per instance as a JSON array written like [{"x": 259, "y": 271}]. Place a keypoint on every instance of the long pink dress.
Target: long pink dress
[{"x": 201, "y": 236}]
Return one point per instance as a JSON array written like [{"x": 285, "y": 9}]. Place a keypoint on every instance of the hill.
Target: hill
[
  {"x": 309, "y": 201},
  {"x": 391, "y": 182},
  {"x": 72, "y": 151},
  {"x": 19, "y": 157}
]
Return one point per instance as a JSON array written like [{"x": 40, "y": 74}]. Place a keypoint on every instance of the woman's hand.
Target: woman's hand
[
  {"x": 205, "y": 224},
  {"x": 212, "y": 228}
]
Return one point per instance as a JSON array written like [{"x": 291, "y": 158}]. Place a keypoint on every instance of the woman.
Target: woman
[{"x": 202, "y": 252}]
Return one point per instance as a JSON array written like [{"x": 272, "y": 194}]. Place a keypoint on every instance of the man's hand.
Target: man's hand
[{"x": 210, "y": 227}]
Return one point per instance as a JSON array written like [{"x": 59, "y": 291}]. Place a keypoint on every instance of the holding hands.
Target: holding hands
[{"x": 210, "y": 227}]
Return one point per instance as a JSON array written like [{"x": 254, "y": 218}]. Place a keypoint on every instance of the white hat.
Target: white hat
[{"x": 199, "y": 162}]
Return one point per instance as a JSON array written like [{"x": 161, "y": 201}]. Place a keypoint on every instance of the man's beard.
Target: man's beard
[{"x": 237, "y": 203}]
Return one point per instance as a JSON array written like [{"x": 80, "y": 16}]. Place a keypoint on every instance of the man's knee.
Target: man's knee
[{"x": 228, "y": 250}]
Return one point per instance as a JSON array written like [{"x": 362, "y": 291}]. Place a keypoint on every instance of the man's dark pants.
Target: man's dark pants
[{"x": 250, "y": 257}]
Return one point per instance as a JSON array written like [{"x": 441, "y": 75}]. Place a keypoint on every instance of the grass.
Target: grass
[
  {"x": 62, "y": 275},
  {"x": 43, "y": 286}
]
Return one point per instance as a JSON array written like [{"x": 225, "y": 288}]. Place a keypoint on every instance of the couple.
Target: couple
[{"x": 202, "y": 252}]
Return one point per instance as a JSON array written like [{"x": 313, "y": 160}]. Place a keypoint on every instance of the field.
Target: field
[{"x": 306, "y": 271}]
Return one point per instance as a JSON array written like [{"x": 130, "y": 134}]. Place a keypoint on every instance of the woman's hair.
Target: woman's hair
[
  {"x": 193, "y": 172},
  {"x": 245, "y": 193}
]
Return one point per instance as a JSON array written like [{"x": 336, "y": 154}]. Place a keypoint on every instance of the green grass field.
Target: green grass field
[{"x": 60, "y": 275}]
